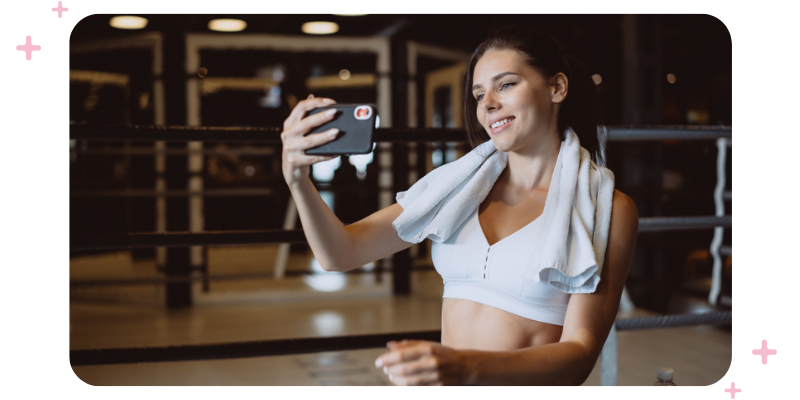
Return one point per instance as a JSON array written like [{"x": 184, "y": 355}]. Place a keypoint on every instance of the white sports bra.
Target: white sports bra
[{"x": 496, "y": 275}]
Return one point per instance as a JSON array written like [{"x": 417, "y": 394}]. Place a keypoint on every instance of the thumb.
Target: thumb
[{"x": 395, "y": 344}]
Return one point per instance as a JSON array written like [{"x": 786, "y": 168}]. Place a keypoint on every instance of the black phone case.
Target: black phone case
[{"x": 355, "y": 135}]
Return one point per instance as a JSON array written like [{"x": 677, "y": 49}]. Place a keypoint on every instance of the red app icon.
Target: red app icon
[{"x": 363, "y": 112}]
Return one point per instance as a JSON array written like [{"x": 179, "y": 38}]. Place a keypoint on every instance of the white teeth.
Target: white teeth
[{"x": 502, "y": 122}]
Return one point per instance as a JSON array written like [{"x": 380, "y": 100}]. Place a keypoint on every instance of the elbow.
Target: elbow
[
  {"x": 330, "y": 266},
  {"x": 336, "y": 265},
  {"x": 584, "y": 367},
  {"x": 579, "y": 375},
  {"x": 581, "y": 378}
]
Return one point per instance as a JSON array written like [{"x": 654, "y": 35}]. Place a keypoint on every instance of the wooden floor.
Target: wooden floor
[{"x": 261, "y": 309}]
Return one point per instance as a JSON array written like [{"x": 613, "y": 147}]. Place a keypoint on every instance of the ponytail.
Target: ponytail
[{"x": 581, "y": 109}]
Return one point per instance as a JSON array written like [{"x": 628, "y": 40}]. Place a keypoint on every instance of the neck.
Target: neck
[{"x": 532, "y": 167}]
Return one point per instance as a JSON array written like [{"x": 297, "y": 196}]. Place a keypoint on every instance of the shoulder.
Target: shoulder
[
  {"x": 624, "y": 212},
  {"x": 623, "y": 204}
]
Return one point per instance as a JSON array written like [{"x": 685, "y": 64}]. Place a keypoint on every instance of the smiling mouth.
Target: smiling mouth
[{"x": 502, "y": 122}]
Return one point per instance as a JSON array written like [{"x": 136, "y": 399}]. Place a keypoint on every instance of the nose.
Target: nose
[{"x": 489, "y": 101}]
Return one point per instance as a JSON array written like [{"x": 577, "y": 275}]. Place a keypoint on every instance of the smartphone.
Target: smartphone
[{"x": 356, "y": 123}]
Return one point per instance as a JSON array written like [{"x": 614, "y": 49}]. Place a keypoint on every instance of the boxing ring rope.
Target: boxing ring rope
[
  {"x": 263, "y": 348},
  {"x": 608, "y": 364},
  {"x": 134, "y": 240},
  {"x": 150, "y": 133}
]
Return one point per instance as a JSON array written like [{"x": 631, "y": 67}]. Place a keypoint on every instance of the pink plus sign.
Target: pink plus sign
[
  {"x": 28, "y": 48},
  {"x": 733, "y": 390},
  {"x": 764, "y": 352},
  {"x": 60, "y": 9}
]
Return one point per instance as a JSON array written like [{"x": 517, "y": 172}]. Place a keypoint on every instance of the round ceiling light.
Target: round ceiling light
[
  {"x": 320, "y": 28},
  {"x": 128, "y": 22},
  {"x": 227, "y": 25},
  {"x": 671, "y": 78}
]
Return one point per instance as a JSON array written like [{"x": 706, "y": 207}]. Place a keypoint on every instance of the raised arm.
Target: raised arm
[{"x": 336, "y": 247}]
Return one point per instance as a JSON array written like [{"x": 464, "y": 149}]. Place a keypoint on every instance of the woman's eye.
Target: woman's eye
[
  {"x": 479, "y": 97},
  {"x": 507, "y": 85}
]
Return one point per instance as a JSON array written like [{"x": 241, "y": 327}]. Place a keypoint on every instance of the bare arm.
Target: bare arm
[
  {"x": 342, "y": 248},
  {"x": 588, "y": 320},
  {"x": 336, "y": 247},
  {"x": 568, "y": 362}
]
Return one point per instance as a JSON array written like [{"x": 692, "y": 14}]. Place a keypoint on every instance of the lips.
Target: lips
[{"x": 500, "y": 124}]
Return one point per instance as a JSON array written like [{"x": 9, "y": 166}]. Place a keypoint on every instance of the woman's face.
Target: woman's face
[{"x": 516, "y": 105}]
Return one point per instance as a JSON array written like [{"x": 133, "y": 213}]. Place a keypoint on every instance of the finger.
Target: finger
[
  {"x": 303, "y": 143},
  {"x": 302, "y": 159},
  {"x": 319, "y": 139},
  {"x": 305, "y": 106},
  {"x": 424, "y": 365},
  {"x": 417, "y": 380},
  {"x": 405, "y": 354},
  {"x": 310, "y": 96},
  {"x": 429, "y": 379},
  {"x": 298, "y": 115},
  {"x": 310, "y": 122},
  {"x": 403, "y": 343}
]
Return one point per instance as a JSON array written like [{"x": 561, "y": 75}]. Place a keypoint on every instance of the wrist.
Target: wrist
[
  {"x": 469, "y": 361},
  {"x": 298, "y": 184}
]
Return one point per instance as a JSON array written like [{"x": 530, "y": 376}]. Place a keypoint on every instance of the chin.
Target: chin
[{"x": 501, "y": 145}]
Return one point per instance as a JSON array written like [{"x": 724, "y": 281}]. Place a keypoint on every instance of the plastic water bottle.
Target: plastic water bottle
[{"x": 665, "y": 377}]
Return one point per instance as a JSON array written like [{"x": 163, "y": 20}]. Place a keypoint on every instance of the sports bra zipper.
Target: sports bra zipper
[{"x": 486, "y": 262}]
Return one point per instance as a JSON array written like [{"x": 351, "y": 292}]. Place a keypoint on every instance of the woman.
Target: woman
[{"x": 523, "y": 96}]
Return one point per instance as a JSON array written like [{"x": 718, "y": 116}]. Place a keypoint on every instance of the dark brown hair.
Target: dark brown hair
[{"x": 579, "y": 110}]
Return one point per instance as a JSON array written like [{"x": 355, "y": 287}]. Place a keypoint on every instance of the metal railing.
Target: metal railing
[
  {"x": 264, "y": 348},
  {"x": 149, "y": 133},
  {"x": 307, "y": 345}
]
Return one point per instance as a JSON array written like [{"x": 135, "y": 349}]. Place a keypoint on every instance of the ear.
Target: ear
[{"x": 559, "y": 87}]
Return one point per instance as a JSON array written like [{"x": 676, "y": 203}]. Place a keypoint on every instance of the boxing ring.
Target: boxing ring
[{"x": 401, "y": 263}]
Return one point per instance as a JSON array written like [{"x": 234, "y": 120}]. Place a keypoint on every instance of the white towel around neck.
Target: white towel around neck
[{"x": 569, "y": 248}]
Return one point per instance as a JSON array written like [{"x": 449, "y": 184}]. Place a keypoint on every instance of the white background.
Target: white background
[{"x": 35, "y": 208}]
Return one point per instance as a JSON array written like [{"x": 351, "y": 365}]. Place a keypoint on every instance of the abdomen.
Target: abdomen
[{"x": 470, "y": 325}]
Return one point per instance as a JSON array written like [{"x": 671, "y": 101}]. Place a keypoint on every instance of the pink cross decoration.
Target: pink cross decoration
[
  {"x": 60, "y": 9},
  {"x": 733, "y": 390},
  {"x": 764, "y": 352},
  {"x": 28, "y": 48}
]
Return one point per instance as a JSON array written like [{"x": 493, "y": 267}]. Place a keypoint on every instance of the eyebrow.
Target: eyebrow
[{"x": 495, "y": 78}]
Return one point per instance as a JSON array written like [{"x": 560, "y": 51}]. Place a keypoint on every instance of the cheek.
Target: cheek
[{"x": 481, "y": 115}]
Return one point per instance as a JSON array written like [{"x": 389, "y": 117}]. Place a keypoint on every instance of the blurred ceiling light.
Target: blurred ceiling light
[
  {"x": 144, "y": 101},
  {"x": 128, "y": 22},
  {"x": 336, "y": 81},
  {"x": 344, "y": 74},
  {"x": 597, "y": 79},
  {"x": 212, "y": 85},
  {"x": 671, "y": 78},
  {"x": 99, "y": 78},
  {"x": 319, "y": 28},
  {"x": 227, "y": 25}
]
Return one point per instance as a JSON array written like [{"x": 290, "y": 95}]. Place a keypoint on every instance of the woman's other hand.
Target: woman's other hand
[
  {"x": 296, "y": 164},
  {"x": 419, "y": 362}
]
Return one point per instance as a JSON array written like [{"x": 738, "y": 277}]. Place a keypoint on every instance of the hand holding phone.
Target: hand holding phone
[
  {"x": 356, "y": 124},
  {"x": 296, "y": 164}
]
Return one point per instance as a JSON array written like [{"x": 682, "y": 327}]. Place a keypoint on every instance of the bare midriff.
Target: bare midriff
[{"x": 470, "y": 325}]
